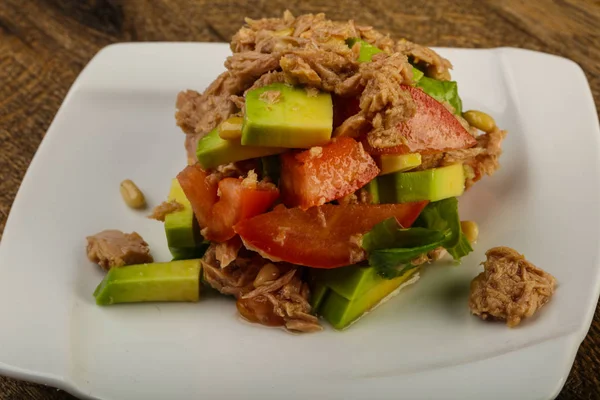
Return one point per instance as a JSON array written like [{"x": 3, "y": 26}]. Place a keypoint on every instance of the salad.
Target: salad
[{"x": 324, "y": 171}]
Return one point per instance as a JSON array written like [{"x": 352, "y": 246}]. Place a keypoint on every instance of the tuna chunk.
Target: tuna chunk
[{"x": 113, "y": 248}]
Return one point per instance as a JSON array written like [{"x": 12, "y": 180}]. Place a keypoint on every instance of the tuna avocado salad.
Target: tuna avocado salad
[{"x": 324, "y": 170}]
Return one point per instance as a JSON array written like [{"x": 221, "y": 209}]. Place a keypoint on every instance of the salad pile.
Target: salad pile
[{"x": 324, "y": 168}]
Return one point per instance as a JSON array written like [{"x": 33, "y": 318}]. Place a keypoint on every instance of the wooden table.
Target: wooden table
[{"x": 45, "y": 44}]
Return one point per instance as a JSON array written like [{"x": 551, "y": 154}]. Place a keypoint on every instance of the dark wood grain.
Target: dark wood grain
[{"x": 44, "y": 44}]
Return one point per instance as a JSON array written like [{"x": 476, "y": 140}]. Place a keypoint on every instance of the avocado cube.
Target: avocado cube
[
  {"x": 170, "y": 281},
  {"x": 213, "y": 151},
  {"x": 373, "y": 189},
  {"x": 318, "y": 292},
  {"x": 279, "y": 115},
  {"x": 352, "y": 292},
  {"x": 181, "y": 228},
  {"x": 389, "y": 163},
  {"x": 187, "y": 253},
  {"x": 430, "y": 184}
]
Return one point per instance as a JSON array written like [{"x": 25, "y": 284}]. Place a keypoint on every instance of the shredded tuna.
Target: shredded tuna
[
  {"x": 288, "y": 295},
  {"x": 483, "y": 159},
  {"x": 113, "y": 248},
  {"x": 510, "y": 288},
  {"x": 227, "y": 252},
  {"x": 270, "y": 96},
  {"x": 379, "y": 40},
  {"x": 198, "y": 114},
  {"x": 267, "y": 79},
  {"x": 165, "y": 208},
  {"x": 236, "y": 278},
  {"x": 291, "y": 304},
  {"x": 437, "y": 66},
  {"x": 383, "y": 102},
  {"x": 311, "y": 50},
  {"x": 238, "y": 101},
  {"x": 312, "y": 92},
  {"x": 352, "y": 127},
  {"x": 429, "y": 257},
  {"x": 487, "y": 162},
  {"x": 272, "y": 286},
  {"x": 231, "y": 170}
]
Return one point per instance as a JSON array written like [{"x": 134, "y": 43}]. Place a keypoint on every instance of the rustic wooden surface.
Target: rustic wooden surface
[{"x": 44, "y": 44}]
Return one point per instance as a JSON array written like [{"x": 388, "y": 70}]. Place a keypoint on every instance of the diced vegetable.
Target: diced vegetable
[
  {"x": 188, "y": 253},
  {"x": 373, "y": 189},
  {"x": 461, "y": 249},
  {"x": 321, "y": 174},
  {"x": 442, "y": 91},
  {"x": 341, "y": 310},
  {"x": 430, "y": 184},
  {"x": 238, "y": 200},
  {"x": 389, "y": 163},
  {"x": 213, "y": 151},
  {"x": 432, "y": 129},
  {"x": 231, "y": 128},
  {"x": 181, "y": 227},
  {"x": 279, "y": 115},
  {"x": 391, "y": 247},
  {"x": 443, "y": 216},
  {"x": 321, "y": 237},
  {"x": 170, "y": 281},
  {"x": 200, "y": 190}
]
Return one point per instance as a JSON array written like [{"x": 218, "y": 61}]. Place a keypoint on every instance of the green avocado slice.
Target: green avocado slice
[
  {"x": 343, "y": 295},
  {"x": 430, "y": 184},
  {"x": 279, "y": 115},
  {"x": 181, "y": 228},
  {"x": 170, "y": 281},
  {"x": 213, "y": 151}
]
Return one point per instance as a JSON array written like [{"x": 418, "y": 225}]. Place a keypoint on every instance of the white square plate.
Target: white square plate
[{"x": 117, "y": 122}]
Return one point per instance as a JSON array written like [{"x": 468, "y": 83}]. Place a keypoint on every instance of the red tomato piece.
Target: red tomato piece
[
  {"x": 316, "y": 176},
  {"x": 237, "y": 201},
  {"x": 433, "y": 129},
  {"x": 320, "y": 237},
  {"x": 200, "y": 189}
]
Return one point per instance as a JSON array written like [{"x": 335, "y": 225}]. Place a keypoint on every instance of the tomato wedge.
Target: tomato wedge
[
  {"x": 320, "y": 237},
  {"x": 432, "y": 129},
  {"x": 322, "y": 174},
  {"x": 237, "y": 201},
  {"x": 201, "y": 191}
]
